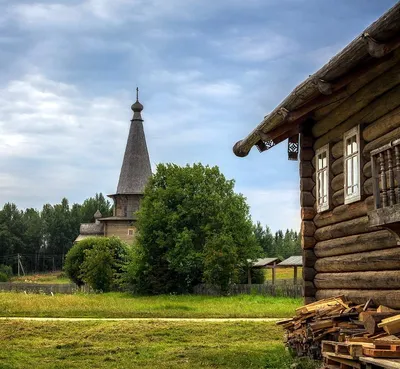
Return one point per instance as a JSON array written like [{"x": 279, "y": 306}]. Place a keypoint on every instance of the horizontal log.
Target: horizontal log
[
  {"x": 342, "y": 229},
  {"x": 340, "y": 214},
  {"x": 308, "y": 228},
  {"x": 337, "y": 182},
  {"x": 387, "y": 259},
  {"x": 306, "y": 154},
  {"x": 306, "y": 184},
  {"x": 309, "y": 300},
  {"x": 389, "y": 298},
  {"x": 358, "y": 101},
  {"x": 358, "y": 243},
  {"x": 307, "y": 213},
  {"x": 367, "y": 187},
  {"x": 309, "y": 289},
  {"x": 386, "y": 280},
  {"x": 383, "y": 125},
  {"x": 370, "y": 201},
  {"x": 367, "y": 171},
  {"x": 337, "y": 166},
  {"x": 309, "y": 258},
  {"x": 337, "y": 150},
  {"x": 306, "y": 199},
  {"x": 338, "y": 198},
  {"x": 379, "y": 107},
  {"x": 309, "y": 274},
  {"x": 372, "y": 74},
  {"x": 307, "y": 242},
  {"x": 380, "y": 141},
  {"x": 306, "y": 169}
]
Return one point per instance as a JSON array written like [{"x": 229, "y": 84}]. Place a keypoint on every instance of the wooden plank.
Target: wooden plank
[
  {"x": 382, "y": 363},
  {"x": 367, "y": 351}
]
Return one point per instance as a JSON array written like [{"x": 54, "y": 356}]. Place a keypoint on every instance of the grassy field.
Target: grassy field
[
  {"x": 44, "y": 278},
  {"x": 142, "y": 345},
  {"x": 124, "y": 305},
  {"x": 282, "y": 273}
]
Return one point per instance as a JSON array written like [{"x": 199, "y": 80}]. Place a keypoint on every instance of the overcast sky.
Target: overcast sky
[{"x": 208, "y": 72}]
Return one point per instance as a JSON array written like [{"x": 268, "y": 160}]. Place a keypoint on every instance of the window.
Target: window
[
  {"x": 131, "y": 232},
  {"x": 322, "y": 163},
  {"x": 351, "y": 142}
]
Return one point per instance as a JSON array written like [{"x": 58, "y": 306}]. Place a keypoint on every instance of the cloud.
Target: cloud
[
  {"x": 278, "y": 208},
  {"x": 255, "y": 46}
]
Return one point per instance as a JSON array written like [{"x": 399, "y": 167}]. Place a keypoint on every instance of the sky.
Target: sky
[{"x": 208, "y": 72}]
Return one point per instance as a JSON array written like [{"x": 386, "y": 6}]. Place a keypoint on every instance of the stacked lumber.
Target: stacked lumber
[{"x": 345, "y": 335}]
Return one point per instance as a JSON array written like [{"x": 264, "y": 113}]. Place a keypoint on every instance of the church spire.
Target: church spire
[{"x": 136, "y": 169}]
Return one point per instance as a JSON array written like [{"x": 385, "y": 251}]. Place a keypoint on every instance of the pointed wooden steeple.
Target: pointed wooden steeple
[{"x": 136, "y": 169}]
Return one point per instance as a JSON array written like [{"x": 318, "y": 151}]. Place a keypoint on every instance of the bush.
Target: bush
[
  {"x": 3, "y": 277},
  {"x": 257, "y": 276},
  {"x": 97, "y": 261},
  {"x": 7, "y": 270}
]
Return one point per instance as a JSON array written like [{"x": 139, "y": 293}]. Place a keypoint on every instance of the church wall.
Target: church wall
[{"x": 120, "y": 229}]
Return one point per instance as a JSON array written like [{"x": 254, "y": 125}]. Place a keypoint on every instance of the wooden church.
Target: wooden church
[
  {"x": 134, "y": 175},
  {"x": 343, "y": 123}
]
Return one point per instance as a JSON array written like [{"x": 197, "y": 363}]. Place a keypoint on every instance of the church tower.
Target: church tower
[{"x": 134, "y": 175}]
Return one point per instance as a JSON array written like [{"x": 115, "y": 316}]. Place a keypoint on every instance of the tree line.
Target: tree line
[{"x": 44, "y": 237}]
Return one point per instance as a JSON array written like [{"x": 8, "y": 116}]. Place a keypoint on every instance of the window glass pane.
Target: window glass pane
[
  {"x": 355, "y": 170},
  {"x": 355, "y": 148},
  {"x": 319, "y": 162},
  {"x": 325, "y": 184},
  {"x": 348, "y": 147},
  {"x": 324, "y": 164},
  {"x": 348, "y": 170}
]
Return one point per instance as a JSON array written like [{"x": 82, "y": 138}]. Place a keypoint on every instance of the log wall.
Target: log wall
[{"x": 350, "y": 257}]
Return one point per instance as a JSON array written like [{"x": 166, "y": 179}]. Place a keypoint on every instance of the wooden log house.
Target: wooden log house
[{"x": 343, "y": 125}]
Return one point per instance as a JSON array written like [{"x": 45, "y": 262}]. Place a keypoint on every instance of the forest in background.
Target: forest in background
[{"x": 42, "y": 238}]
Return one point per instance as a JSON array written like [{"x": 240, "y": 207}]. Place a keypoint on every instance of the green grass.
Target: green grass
[
  {"x": 283, "y": 273},
  {"x": 124, "y": 305},
  {"x": 45, "y": 278},
  {"x": 151, "y": 344}
]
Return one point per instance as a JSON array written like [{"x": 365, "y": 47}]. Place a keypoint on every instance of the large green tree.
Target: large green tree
[{"x": 189, "y": 217}]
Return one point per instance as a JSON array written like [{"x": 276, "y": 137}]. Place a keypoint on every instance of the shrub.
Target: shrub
[
  {"x": 97, "y": 261},
  {"x": 3, "y": 277},
  {"x": 7, "y": 270}
]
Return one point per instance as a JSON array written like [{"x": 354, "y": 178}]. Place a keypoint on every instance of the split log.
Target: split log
[
  {"x": 390, "y": 298},
  {"x": 337, "y": 166},
  {"x": 367, "y": 171},
  {"x": 309, "y": 289},
  {"x": 368, "y": 186},
  {"x": 309, "y": 258},
  {"x": 387, "y": 280},
  {"x": 309, "y": 273},
  {"x": 306, "y": 169},
  {"x": 307, "y": 213},
  {"x": 308, "y": 228},
  {"x": 356, "y": 85},
  {"x": 307, "y": 242},
  {"x": 306, "y": 154},
  {"x": 382, "y": 126},
  {"x": 369, "y": 114},
  {"x": 346, "y": 228},
  {"x": 372, "y": 320},
  {"x": 338, "y": 198},
  {"x": 337, "y": 182},
  {"x": 358, "y": 101},
  {"x": 306, "y": 184},
  {"x": 387, "y": 259},
  {"x": 306, "y": 199},
  {"x": 340, "y": 214},
  {"x": 388, "y": 137},
  {"x": 337, "y": 150},
  {"x": 371, "y": 241},
  {"x": 370, "y": 201}
]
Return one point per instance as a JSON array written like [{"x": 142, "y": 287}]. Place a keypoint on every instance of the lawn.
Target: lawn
[
  {"x": 124, "y": 305},
  {"x": 283, "y": 273},
  {"x": 44, "y": 278},
  {"x": 150, "y": 344}
]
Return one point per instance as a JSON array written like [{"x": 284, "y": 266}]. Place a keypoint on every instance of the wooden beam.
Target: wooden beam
[{"x": 379, "y": 49}]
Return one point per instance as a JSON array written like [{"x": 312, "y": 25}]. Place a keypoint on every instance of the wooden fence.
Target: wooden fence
[
  {"x": 268, "y": 289},
  {"x": 42, "y": 288}
]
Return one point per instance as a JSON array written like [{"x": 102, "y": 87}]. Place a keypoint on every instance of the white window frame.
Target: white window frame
[
  {"x": 326, "y": 178},
  {"x": 355, "y": 196}
]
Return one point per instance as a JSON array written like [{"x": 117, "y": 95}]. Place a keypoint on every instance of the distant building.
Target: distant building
[{"x": 135, "y": 173}]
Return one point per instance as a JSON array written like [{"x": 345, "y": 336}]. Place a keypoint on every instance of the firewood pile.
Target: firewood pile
[{"x": 345, "y": 335}]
